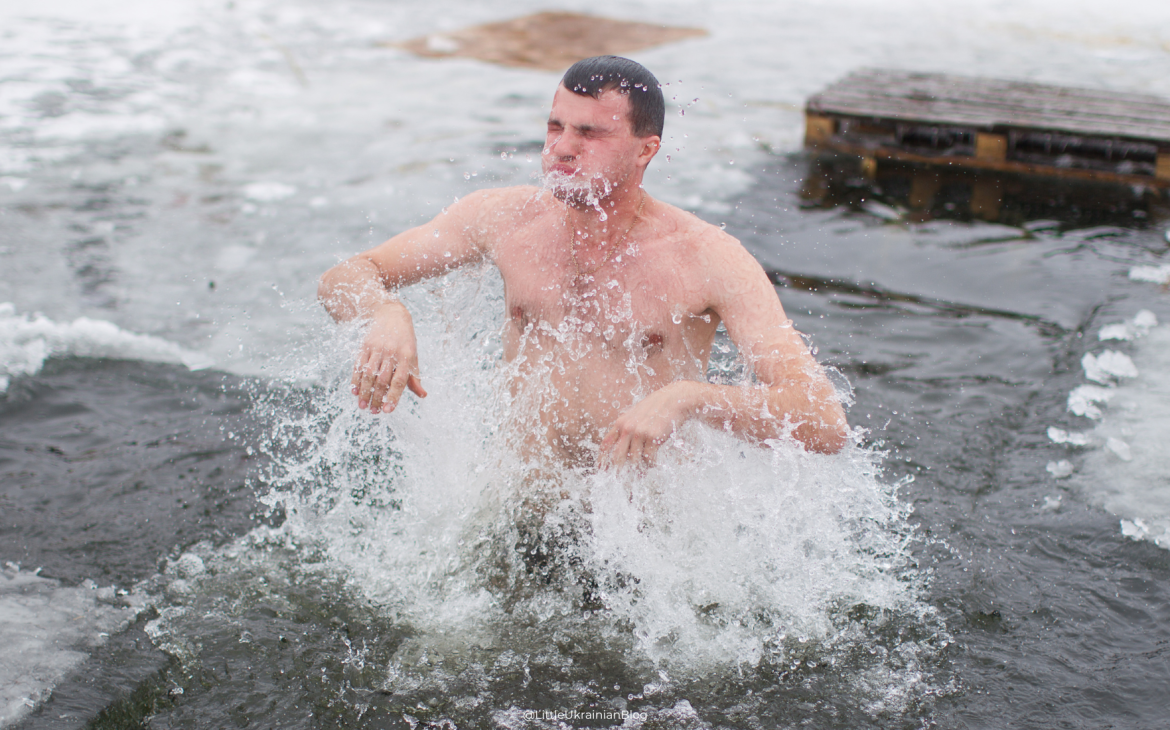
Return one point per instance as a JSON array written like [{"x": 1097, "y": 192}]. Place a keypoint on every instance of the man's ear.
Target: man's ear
[{"x": 650, "y": 147}]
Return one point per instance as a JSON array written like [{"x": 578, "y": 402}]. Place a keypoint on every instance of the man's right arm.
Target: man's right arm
[{"x": 363, "y": 287}]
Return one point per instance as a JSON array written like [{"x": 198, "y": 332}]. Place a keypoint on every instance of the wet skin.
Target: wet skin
[{"x": 612, "y": 298}]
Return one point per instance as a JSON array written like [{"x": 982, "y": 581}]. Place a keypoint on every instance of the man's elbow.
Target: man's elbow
[
  {"x": 335, "y": 289},
  {"x": 327, "y": 287}
]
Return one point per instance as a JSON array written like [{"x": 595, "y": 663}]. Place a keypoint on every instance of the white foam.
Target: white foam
[
  {"x": 26, "y": 341},
  {"x": 47, "y": 629},
  {"x": 1152, "y": 274}
]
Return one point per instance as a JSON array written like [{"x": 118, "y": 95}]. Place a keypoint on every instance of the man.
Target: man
[{"x": 612, "y": 297}]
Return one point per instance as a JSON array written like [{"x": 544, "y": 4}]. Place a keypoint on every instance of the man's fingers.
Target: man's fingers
[
  {"x": 650, "y": 452},
  {"x": 381, "y": 383},
  {"x": 620, "y": 451},
  {"x": 359, "y": 367},
  {"x": 636, "y": 456},
  {"x": 397, "y": 385},
  {"x": 415, "y": 386},
  {"x": 366, "y": 386}
]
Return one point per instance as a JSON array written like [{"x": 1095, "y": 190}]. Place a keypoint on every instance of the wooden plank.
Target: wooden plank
[
  {"x": 960, "y": 113},
  {"x": 979, "y": 91},
  {"x": 995, "y": 104},
  {"x": 1162, "y": 166},
  {"x": 818, "y": 129},
  {"x": 990, "y": 147},
  {"x": 870, "y": 155}
]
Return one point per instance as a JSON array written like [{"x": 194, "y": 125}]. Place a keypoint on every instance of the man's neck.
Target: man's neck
[{"x": 601, "y": 225}]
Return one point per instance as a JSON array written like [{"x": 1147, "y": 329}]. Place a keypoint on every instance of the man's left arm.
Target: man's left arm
[{"x": 791, "y": 393}]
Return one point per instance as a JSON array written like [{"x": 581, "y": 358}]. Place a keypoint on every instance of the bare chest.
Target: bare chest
[{"x": 639, "y": 300}]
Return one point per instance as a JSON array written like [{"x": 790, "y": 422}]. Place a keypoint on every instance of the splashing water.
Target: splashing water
[
  {"x": 577, "y": 191},
  {"x": 510, "y": 588}
]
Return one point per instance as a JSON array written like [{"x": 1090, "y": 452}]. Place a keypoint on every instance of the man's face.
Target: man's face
[{"x": 590, "y": 148}]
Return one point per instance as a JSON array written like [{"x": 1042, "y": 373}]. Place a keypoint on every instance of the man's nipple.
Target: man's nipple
[
  {"x": 520, "y": 317},
  {"x": 652, "y": 342}
]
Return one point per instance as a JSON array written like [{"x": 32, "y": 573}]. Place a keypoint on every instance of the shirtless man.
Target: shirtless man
[{"x": 612, "y": 297}]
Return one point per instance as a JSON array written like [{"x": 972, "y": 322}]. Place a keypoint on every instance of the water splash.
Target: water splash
[{"x": 758, "y": 564}]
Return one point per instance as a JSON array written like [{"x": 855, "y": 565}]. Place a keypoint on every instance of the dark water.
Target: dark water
[{"x": 961, "y": 340}]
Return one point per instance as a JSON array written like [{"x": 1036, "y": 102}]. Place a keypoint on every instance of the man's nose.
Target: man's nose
[{"x": 562, "y": 146}]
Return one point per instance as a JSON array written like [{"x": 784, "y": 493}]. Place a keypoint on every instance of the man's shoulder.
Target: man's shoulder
[
  {"x": 509, "y": 200},
  {"x": 690, "y": 231}
]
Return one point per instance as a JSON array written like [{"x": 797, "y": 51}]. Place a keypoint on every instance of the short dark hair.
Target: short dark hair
[{"x": 593, "y": 76}]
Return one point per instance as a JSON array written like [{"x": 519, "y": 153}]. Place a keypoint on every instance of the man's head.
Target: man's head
[
  {"x": 604, "y": 128},
  {"x": 599, "y": 74}
]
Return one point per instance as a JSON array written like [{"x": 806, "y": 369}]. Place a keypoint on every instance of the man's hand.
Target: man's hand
[
  {"x": 388, "y": 361},
  {"x": 636, "y": 435}
]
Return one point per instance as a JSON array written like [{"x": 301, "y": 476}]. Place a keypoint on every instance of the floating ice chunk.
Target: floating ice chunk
[
  {"x": 1072, "y": 438},
  {"x": 1135, "y": 530},
  {"x": 268, "y": 192},
  {"x": 1081, "y": 401},
  {"x": 1108, "y": 365},
  {"x": 1139, "y": 326},
  {"x": 881, "y": 210},
  {"x": 1041, "y": 225},
  {"x": 1052, "y": 503},
  {"x": 47, "y": 629},
  {"x": 1120, "y": 448},
  {"x": 1139, "y": 530},
  {"x": 1115, "y": 332},
  {"x": 1152, "y": 274},
  {"x": 1060, "y": 470},
  {"x": 1145, "y": 320}
]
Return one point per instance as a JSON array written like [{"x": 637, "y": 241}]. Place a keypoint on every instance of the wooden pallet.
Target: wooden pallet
[{"x": 1006, "y": 126}]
